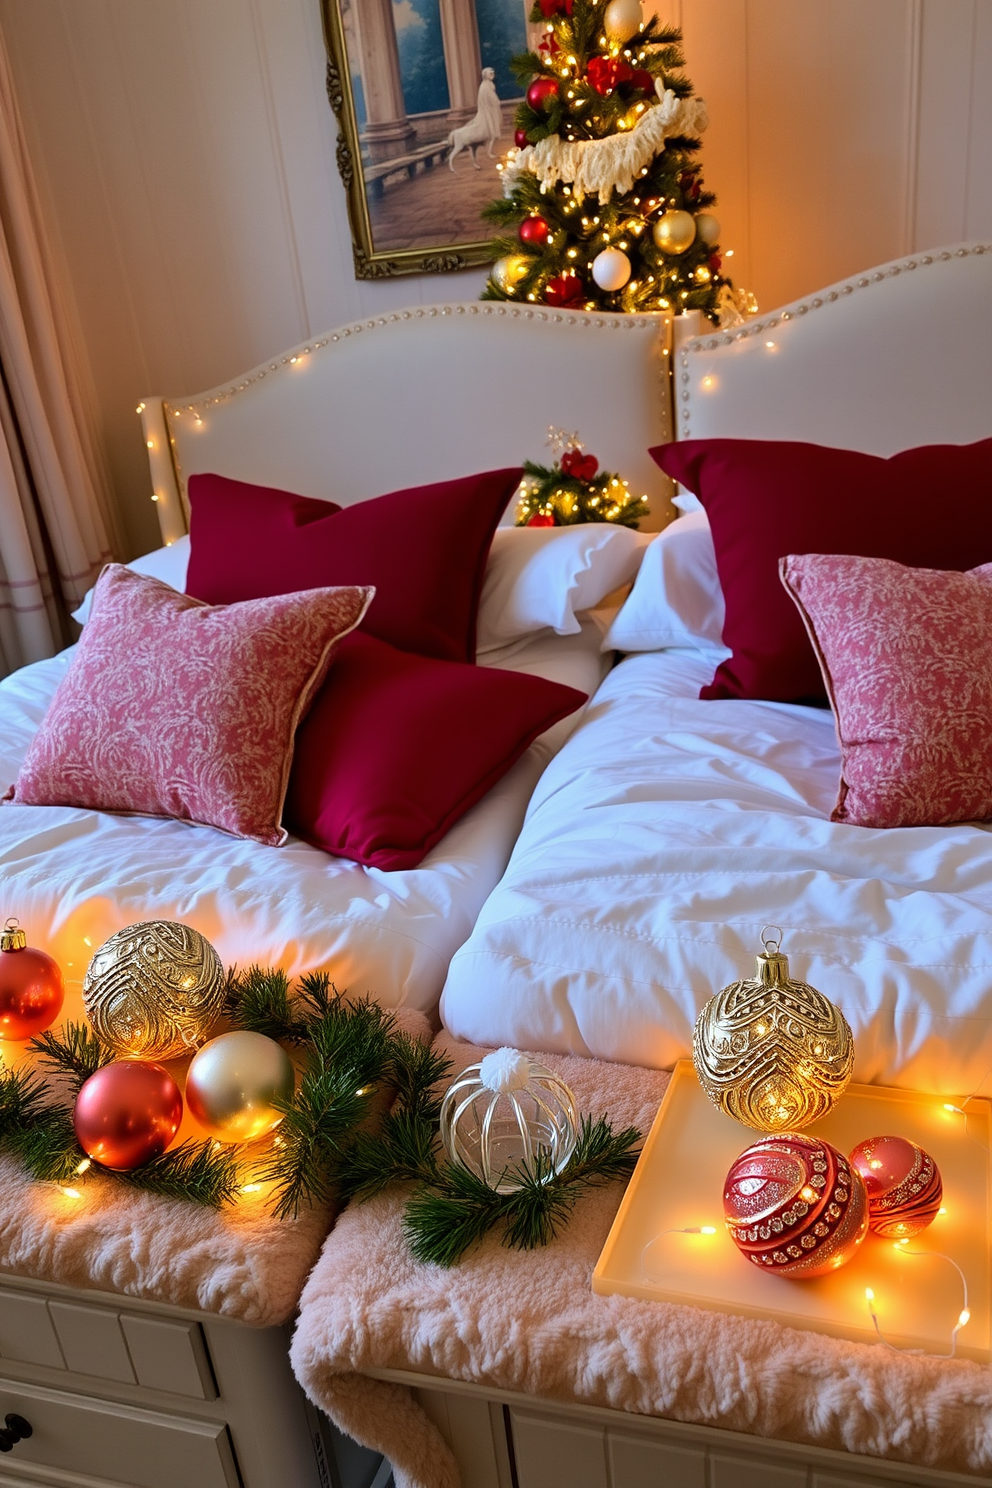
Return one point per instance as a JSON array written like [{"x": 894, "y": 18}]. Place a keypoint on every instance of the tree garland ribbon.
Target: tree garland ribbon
[{"x": 334, "y": 1141}]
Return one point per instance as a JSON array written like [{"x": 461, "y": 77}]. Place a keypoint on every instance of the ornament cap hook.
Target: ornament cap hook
[
  {"x": 12, "y": 937},
  {"x": 771, "y": 938}
]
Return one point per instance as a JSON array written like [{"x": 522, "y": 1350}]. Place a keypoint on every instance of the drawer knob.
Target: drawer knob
[{"x": 16, "y": 1429}]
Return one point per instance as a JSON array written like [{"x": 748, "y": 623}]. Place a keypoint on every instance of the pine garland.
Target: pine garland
[{"x": 354, "y": 1059}]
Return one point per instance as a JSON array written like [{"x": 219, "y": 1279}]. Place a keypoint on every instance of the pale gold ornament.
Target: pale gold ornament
[
  {"x": 508, "y": 271},
  {"x": 707, "y": 228},
  {"x": 622, "y": 19},
  {"x": 153, "y": 990},
  {"x": 773, "y": 1053},
  {"x": 234, "y": 1082},
  {"x": 674, "y": 232}
]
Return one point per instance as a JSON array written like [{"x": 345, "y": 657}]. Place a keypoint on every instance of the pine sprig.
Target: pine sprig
[
  {"x": 47, "y": 1146},
  {"x": 22, "y": 1096},
  {"x": 73, "y": 1050},
  {"x": 194, "y": 1171},
  {"x": 258, "y": 1001}
]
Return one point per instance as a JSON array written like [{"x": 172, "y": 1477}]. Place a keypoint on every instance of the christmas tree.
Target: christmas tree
[{"x": 603, "y": 204}]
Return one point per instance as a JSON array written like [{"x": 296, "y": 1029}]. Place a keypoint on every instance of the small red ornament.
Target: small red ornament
[
  {"x": 542, "y": 93},
  {"x": 520, "y": 138},
  {"x": 641, "y": 79},
  {"x": 551, "y": 8},
  {"x": 903, "y": 1184},
  {"x": 565, "y": 290},
  {"x": 604, "y": 73},
  {"x": 127, "y": 1113},
  {"x": 583, "y": 467},
  {"x": 794, "y": 1207},
  {"x": 714, "y": 263},
  {"x": 31, "y": 986},
  {"x": 534, "y": 230},
  {"x": 541, "y": 519}
]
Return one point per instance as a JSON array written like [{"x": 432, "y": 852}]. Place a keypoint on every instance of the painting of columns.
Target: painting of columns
[{"x": 434, "y": 102}]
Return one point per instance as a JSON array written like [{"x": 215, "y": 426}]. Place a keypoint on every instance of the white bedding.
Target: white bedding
[
  {"x": 74, "y": 877},
  {"x": 664, "y": 836}
]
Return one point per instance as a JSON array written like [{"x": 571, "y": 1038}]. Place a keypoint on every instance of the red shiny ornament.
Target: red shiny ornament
[
  {"x": 903, "y": 1184},
  {"x": 534, "y": 230},
  {"x": 794, "y": 1207},
  {"x": 542, "y": 93},
  {"x": 565, "y": 290},
  {"x": 583, "y": 467},
  {"x": 541, "y": 519},
  {"x": 714, "y": 263},
  {"x": 127, "y": 1113},
  {"x": 520, "y": 138},
  {"x": 604, "y": 73},
  {"x": 641, "y": 79},
  {"x": 31, "y": 987}
]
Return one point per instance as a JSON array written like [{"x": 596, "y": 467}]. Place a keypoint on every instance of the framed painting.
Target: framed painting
[{"x": 425, "y": 102}]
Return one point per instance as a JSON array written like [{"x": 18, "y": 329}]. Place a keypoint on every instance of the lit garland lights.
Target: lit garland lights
[
  {"x": 964, "y": 1316},
  {"x": 603, "y": 203},
  {"x": 574, "y": 489}
]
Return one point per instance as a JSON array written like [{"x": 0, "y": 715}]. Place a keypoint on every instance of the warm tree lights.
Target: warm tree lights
[
  {"x": 603, "y": 202},
  {"x": 574, "y": 489}
]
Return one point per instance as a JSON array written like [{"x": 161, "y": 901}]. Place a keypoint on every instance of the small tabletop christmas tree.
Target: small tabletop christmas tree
[{"x": 603, "y": 202}]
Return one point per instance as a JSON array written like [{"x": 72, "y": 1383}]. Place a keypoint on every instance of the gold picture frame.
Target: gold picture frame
[{"x": 413, "y": 197}]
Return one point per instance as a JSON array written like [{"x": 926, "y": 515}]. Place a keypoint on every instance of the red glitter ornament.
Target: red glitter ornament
[
  {"x": 794, "y": 1207},
  {"x": 520, "y": 138},
  {"x": 583, "y": 467},
  {"x": 903, "y": 1184},
  {"x": 31, "y": 986},
  {"x": 535, "y": 231},
  {"x": 542, "y": 93},
  {"x": 127, "y": 1113},
  {"x": 565, "y": 290}
]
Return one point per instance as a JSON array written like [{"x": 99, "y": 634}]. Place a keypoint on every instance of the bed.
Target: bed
[
  {"x": 443, "y": 383},
  {"x": 671, "y": 829}
]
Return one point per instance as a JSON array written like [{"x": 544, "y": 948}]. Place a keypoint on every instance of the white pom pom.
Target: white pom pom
[{"x": 505, "y": 1069}]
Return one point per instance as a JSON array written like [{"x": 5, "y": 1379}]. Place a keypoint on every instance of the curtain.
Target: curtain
[{"x": 57, "y": 528}]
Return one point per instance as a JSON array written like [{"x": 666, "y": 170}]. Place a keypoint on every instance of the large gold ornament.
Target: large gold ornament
[
  {"x": 622, "y": 19},
  {"x": 771, "y": 1052},
  {"x": 153, "y": 990},
  {"x": 674, "y": 232},
  {"x": 509, "y": 270},
  {"x": 234, "y": 1082}
]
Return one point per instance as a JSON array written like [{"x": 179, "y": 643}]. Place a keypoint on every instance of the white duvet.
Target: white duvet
[
  {"x": 662, "y": 838},
  {"x": 74, "y": 877}
]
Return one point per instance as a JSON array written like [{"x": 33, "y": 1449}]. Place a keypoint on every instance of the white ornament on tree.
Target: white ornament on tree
[
  {"x": 622, "y": 19},
  {"x": 707, "y": 228},
  {"x": 611, "y": 269},
  {"x": 502, "y": 1115}
]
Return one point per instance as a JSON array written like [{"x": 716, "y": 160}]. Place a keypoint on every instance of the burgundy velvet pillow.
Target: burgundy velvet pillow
[
  {"x": 396, "y": 748},
  {"x": 927, "y": 508},
  {"x": 424, "y": 550}
]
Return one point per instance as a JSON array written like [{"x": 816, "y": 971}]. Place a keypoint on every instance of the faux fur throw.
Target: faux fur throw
[
  {"x": 529, "y": 1322},
  {"x": 239, "y": 1262}
]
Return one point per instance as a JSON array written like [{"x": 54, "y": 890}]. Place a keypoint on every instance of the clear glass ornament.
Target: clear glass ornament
[{"x": 498, "y": 1116}]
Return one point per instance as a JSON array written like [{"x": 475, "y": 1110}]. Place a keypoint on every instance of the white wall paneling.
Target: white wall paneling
[{"x": 186, "y": 155}]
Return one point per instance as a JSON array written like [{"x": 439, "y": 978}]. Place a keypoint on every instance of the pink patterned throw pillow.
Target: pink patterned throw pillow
[
  {"x": 172, "y": 707},
  {"x": 906, "y": 655}
]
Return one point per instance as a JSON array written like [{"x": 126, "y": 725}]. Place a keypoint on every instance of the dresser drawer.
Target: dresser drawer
[{"x": 116, "y": 1443}]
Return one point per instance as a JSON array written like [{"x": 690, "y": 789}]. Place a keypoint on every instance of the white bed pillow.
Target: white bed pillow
[
  {"x": 168, "y": 564},
  {"x": 539, "y": 577},
  {"x": 676, "y": 599}
]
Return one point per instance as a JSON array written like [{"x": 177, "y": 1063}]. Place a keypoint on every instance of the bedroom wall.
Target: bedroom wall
[{"x": 185, "y": 152}]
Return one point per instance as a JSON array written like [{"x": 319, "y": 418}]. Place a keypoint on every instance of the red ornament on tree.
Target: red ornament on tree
[
  {"x": 551, "y": 8},
  {"x": 542, "y": 93},
  {"x": 794, "y": 1207},
  {"x": 535, "y": 231},
  {"x": 31, "y": 986},
  {"x": 583, "y": 467},
  {"x": 903, "y": 1184},
  {"x": 520, "y": 138},
  {"x": 541, "y": 519},
  {"x": 566, "y": 290},
  {"x": 604, "y": 73},
  {"x": 714, "y": 263},
  {"x": 127, "y": 1113}
]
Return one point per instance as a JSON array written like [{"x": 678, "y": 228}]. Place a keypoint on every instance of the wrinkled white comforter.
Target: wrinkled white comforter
[{"x": 662, "y": 838}]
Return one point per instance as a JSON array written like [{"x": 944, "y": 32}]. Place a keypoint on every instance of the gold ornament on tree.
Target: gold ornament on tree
[
  {"x": 674, "y": 232},
  {"x": 153, "y": 990},
  {"x": 772, "y": 1052},
  {"x": 507, "y": 272},
  {"x": 622, "y": 19}
]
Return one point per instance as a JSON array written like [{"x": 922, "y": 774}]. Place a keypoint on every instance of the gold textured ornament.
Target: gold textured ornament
[
  {"x": 509, "y": 270},
  {"x": 153, "y": 990},
  {"x": 773, "y": 1053},
  {"x": 234, "y": 1082},
  {"x": 674, "y": 232}
]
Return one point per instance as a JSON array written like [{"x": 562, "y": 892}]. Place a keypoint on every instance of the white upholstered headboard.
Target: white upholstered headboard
[
  {"x": 425, "y": 394},
  {"x": 896, "y": 357}
]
